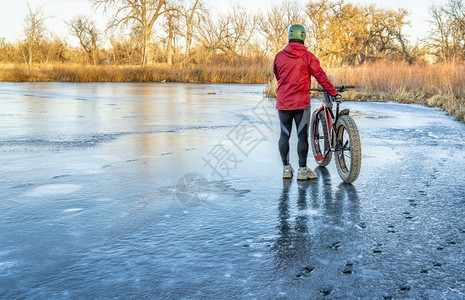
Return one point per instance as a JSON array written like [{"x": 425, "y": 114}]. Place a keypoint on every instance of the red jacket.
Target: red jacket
[{"x": 293, "y": 67}]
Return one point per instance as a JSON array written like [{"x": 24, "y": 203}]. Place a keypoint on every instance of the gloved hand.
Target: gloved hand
[{"x": 338, "y": 96}]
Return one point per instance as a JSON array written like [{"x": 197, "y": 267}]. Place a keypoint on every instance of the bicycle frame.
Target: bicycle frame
[{"x": 331, "y": 120}]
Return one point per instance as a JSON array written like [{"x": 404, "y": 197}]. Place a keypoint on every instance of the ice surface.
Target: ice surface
[{"x": 94, "y": 186}]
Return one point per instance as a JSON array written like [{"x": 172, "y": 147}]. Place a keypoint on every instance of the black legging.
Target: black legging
[{"x": 302, "y": 119}]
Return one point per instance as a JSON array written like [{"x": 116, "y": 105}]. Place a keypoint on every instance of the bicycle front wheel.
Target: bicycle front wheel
[
  {"x": 319, "y": 139},
  {"x": 348, "y": 149}
]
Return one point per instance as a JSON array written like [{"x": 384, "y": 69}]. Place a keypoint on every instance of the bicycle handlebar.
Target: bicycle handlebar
[
  {"x": 340, "y": 89},
  {"x": 327, "y": 99}
]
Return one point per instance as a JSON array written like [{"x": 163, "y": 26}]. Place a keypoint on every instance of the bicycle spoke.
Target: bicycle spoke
[
  {"x": 321, "y": 138},
  {"x": 321, "y": 146}
]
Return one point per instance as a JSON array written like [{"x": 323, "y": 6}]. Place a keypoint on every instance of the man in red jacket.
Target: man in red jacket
[{"x": 293, "y": 68}]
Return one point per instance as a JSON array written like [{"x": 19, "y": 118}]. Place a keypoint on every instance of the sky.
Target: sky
[{"x": 12, "y": 13}]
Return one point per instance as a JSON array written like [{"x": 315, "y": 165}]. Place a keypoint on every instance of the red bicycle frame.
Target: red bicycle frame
[{"x": 331, "y": 120}]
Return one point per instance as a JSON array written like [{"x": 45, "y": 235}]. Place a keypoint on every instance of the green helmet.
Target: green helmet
[{"x": 297, "y": 32}]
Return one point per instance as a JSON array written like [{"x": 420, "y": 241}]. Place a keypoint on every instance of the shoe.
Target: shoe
[
  {"x": 288, "y": 171},
  {"x": 305, "y": 173}
]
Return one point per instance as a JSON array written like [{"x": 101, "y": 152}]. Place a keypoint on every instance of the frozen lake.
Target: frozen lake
[{"x": 169, "y": 191}]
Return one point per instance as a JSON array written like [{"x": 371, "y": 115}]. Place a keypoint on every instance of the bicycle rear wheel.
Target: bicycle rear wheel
[
  {"x": 319, "y": 139},
  {"x": 348, "y": 149}
]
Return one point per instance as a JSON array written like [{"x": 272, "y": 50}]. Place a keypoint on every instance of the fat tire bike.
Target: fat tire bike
[{"x": 336, "y": 133}]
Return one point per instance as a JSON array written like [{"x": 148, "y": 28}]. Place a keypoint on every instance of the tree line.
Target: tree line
[{"x": 140, "y": 32}]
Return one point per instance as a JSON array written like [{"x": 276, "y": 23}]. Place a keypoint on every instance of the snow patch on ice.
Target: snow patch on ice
[
  {"x": 53, "y": 190},
  {"x": 72, "y": 210}
]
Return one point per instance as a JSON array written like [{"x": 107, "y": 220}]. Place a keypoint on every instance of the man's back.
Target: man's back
[{"x": 293, "y": 67}]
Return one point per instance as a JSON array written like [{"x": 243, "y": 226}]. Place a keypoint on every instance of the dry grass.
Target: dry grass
[
  {"x": 218, "y": 73},
  {"x": 441, "y": 85}
]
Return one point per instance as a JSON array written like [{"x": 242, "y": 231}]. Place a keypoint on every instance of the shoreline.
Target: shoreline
[{"x": 439, "y": 86}]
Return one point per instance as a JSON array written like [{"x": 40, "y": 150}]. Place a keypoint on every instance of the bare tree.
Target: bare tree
[
  {"x": 191, "y": 14},
  {"x": 228, "y": 33},
  {"x": 172, "y": 16},
  {"x": 213, "y": 33},
  {"x": 447, "y": 36},
  {"x": 345, "y": 33},
  {"x": 241, "y": 28},
  {"x": 274, "y": 24},
  {"x": 34, "y": 32},
  {"x": 8, "y": 51},
  {"x": 455, "y": 9},
  {"x": 53, "y": 49},
  {"x": 136, "y": 13},
  {"x": 319, "y": 13},
  {"x": 124, "y": 50},
  {"x": 170, "y": 20},
  {"x": 87, "y": 33},
  {"x": 455, "y": 12}
]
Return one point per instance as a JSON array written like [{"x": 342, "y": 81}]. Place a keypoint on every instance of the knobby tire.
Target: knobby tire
[{"x": 348, "y": 154}]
